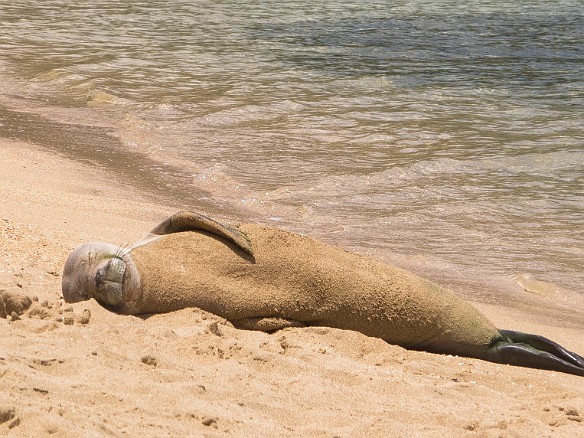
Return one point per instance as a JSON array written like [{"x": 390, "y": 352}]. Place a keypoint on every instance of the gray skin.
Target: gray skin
[{"x": 108, "y": 274}]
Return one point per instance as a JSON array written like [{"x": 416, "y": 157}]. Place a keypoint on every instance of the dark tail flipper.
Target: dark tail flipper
[{"x": 522, "y": 349}]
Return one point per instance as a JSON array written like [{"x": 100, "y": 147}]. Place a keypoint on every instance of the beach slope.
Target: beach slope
[{"x": 80, "y": 370}]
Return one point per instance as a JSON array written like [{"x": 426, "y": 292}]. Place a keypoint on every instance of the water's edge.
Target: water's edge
[
  {"x": 169, "y": 185},
  {"x": 99, "y": 146}
]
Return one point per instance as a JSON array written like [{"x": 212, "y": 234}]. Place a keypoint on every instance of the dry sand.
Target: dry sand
[{"x": 83, "y": 371}]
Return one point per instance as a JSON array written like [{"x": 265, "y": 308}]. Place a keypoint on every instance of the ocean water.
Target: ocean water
[{"x": 446, "y": 137}]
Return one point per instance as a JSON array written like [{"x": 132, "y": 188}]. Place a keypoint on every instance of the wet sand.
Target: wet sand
[{"x": 80, "y": 370}]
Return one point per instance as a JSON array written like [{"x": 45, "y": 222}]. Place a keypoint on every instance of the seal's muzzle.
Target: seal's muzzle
[{"x": 94, "y": 270}]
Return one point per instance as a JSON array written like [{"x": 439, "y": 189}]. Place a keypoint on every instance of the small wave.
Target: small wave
[{"x": 101, "y": 98}]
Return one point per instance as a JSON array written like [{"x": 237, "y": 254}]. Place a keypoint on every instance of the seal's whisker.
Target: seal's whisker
[
  {"x": 123, "y": 250},
  {"x": 123, "y": 253}
]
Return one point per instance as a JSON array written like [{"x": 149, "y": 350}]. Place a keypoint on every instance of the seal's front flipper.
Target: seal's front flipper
[
  {"x": 189, "y": 221},
  {"x": 266, "y": 324},
  {"x": 533, "y": 351}
]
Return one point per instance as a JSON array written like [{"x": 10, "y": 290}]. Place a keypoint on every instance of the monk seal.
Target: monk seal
[{"x": 262, "y": 278}]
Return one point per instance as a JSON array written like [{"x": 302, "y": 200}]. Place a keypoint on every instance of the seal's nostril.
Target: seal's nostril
[{"x": 98, "y": 279}]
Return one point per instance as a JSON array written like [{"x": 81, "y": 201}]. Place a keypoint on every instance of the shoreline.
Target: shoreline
[
  {"x": 99, "y": 145},
  {"x": 81, "y": 139},
  {"x": 73, "y": 379}
]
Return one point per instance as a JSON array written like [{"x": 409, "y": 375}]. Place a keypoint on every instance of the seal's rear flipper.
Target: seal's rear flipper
[
  {"x": 533, "y": 351},
  {"x": 189, "y": 221}
]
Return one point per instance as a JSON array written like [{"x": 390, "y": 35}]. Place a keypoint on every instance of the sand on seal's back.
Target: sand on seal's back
[{"x": 299, "y": 278}]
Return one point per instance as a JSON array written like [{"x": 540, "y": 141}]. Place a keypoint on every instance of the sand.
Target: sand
[{"x": 80, "y": 370}]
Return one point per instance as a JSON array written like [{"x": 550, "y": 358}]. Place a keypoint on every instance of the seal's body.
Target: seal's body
[
  {"x": 300, "y": 279},
  {"x": 291, "y": 280}
]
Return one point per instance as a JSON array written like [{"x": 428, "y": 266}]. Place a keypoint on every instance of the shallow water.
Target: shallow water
[{"x": 446, "y": 138}]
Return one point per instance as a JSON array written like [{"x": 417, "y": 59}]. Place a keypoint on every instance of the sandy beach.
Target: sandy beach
[{"x": 80, "y": 370}]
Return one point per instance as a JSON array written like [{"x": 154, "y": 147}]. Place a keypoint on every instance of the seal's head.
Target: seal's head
[{"x": 98, "y": 270}]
